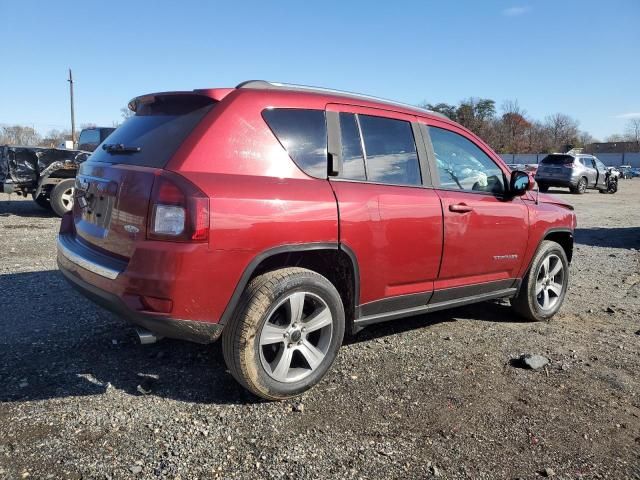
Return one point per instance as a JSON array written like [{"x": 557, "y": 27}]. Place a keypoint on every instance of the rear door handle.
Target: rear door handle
[{"x": 460, "y": 208}]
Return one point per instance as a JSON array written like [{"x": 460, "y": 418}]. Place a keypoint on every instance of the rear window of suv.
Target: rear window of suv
[
  {"x": 158, "y": 129},
  {"x": 557, "y": 159}
]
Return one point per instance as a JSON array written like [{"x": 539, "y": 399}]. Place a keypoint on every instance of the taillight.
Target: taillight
[{"x": 178, "y": 210}]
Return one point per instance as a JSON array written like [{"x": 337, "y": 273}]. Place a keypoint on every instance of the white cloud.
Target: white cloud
[
  {"x": 629, "y": 115},
  {"x": 515, "y": 11}
]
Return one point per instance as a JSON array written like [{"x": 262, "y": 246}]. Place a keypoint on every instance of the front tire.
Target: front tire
[
  {"x": 285, "y": 333},
  {"x": 545, "y": 286},
  {"x": 61, "y": 197},
  {"x": 42, "y": 201}
]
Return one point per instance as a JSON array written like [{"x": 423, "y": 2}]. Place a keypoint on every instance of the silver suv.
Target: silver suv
[{"x": 574, "y": 171}]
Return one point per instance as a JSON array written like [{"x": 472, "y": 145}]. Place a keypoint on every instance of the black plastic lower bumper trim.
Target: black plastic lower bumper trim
[{"x": 198, "y": 332}]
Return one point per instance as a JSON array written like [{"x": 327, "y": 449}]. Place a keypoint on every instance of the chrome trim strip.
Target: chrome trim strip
[{"x": 85, "y": 263}]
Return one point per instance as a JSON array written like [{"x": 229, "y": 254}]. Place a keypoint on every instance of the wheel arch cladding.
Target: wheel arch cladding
[
  {"x": 564, "y": 238},
  {"x": 337, "y": 265}
]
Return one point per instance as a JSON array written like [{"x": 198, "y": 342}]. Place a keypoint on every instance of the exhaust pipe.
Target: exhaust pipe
[{"x": 146, "y": 337}]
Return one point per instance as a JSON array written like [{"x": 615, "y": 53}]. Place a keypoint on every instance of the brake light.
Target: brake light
[{"x": 178, "y": 210}]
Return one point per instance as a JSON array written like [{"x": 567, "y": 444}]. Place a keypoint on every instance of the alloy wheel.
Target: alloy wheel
[
  {"x": 549, "y": 282},
  {"x": 582, "y": 186},
  {"x": 296, "y": 337},
  {"x": 67, "y": 199}
]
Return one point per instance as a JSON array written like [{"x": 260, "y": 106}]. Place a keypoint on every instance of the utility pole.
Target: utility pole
[{"x": 73, "y": 116}]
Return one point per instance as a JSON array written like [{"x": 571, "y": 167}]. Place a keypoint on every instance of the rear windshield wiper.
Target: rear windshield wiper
[{"x": 119, "y": 148}]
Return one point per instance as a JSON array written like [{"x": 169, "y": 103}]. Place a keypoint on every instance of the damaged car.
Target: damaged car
[{"x": 47, "y": 174}]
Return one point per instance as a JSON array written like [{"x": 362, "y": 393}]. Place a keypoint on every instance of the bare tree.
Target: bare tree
[
  {"x": 513, "y": 131},
  {"x": 126, "y": 113},
  {"x": 19, "y": 135},
  {"x": 55, "y": 137},
  {"x": 585, "y": 138},
  {"x": 537, "y": 138},
  {"x": 615, "y": 138},
  {"x": 563, "y": 130},
  {"x": 632, "y": 132}
]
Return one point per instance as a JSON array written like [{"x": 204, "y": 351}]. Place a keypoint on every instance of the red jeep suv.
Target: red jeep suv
[{"x": 281, "y": 217}]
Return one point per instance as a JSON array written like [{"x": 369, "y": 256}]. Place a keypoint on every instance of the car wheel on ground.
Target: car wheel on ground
[
  {"x": 285, "y": 333},
  {"x": 581, "y": 187},
  {"x": 42, "y": 201},
  {"x": 61, "y": 198},
  {"x": 544, "y": 287}
]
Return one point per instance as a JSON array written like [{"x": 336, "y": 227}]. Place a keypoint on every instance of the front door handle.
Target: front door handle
[{"x": 460, "y": 208}]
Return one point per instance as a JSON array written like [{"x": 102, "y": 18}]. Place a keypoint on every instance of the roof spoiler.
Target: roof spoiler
[{"x": 216, "y": 94}]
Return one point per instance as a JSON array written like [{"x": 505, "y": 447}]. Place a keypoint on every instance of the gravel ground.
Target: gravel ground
[{"x": 431, "y": 396}]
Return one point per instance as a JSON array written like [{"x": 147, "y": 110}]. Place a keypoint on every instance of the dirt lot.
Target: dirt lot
[{"x": 430, "y": 396}]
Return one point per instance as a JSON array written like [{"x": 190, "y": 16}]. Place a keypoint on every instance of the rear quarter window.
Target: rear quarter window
[{"x": 303, "y": 134}]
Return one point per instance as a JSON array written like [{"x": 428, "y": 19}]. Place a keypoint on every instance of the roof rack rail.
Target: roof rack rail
[{"x": 265, "y": 85}]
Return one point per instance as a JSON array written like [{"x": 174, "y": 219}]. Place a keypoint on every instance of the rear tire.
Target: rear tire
[
  {"x": 285, "y": 333},
  {"x": 581, "y": 187},
  {"x": 545, "y": 286},
  {"x": 61, "y": 198}
]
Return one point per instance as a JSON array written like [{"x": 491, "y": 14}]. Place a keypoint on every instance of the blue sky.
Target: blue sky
[{"x": 577, "y": 57}]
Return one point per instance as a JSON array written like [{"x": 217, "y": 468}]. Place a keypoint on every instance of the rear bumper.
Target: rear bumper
[
  {"x": 85, "y": 271},
  {"x": 557, "y": 182}
]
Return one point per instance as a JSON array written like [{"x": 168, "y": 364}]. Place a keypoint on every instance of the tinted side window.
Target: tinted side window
[
  {"x": 303, "y": 133},
  {"x": 390, "y": 151},
  {"x": 89, "y": 137},
  {"x": 352, "y": 157},
  {"x": 463, "y": 165}
]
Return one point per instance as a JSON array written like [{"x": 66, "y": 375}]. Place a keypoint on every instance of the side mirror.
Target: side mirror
[{"x": 520, "y": 183}]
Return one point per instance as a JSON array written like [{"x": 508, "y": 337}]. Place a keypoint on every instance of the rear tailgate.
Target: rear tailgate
[
  {"x": 110, "y": 210},
  {"x": 114, "y": 186},
  {"x": 555, "y": 166}
]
